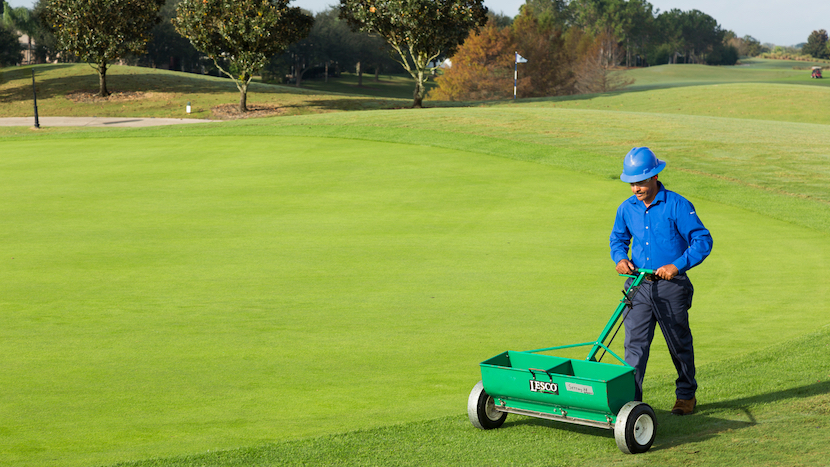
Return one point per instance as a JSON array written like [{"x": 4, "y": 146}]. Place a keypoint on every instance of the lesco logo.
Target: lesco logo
[{"x": 545, "y": 387}]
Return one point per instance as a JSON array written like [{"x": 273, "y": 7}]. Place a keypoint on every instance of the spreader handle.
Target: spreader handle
[{"x": 640, "y": 275}]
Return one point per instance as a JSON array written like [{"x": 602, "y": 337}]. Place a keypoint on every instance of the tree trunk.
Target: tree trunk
[
  {"x": 359, "y": 75},
  {"x": 298, "y": 72},
  {"x": 243, "y": 98},
  {"x": 102, "y": 80},
  {"x": 418, "y": 96},
  {"x": 327, "y": 71},
  {"x": 377, "y": 73}
]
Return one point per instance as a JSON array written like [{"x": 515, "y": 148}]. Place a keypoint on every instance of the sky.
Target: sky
[{"x": 769, "y": 21}]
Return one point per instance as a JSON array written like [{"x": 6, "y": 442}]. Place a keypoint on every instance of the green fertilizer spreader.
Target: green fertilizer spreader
[{"x": 584, "y": 392}]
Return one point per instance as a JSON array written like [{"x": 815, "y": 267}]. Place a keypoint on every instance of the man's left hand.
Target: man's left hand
[{"x": 667, "y": 272}]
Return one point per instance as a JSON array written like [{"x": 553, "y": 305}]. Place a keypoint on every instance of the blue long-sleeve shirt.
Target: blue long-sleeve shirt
[{"x": 667, "y": 232}]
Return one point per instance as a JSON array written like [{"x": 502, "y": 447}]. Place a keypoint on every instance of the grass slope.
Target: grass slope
[
  {"x": 768, "y": 408},
  {"x": 752, "y": 70},
  {"x": 147, "y": 92},
  {"x": 756, "y": 101},
  {"x": 749, "y": 164}
]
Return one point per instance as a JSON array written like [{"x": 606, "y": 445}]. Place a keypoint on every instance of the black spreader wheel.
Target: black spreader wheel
[
  {"x": 635, "y": 428},
  {"x": 481, "y": 408}
]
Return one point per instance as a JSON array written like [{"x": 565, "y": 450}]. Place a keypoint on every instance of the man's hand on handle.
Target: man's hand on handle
[
  {"x": 666, "y": 272},
  {"x": 625, "y": 267}
]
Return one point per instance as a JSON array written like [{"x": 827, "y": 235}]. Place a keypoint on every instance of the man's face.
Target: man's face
[{"x": 645, "y": 190}]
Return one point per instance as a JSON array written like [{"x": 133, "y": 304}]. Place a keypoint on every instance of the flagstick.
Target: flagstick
[{"x": 515, "y": 74}]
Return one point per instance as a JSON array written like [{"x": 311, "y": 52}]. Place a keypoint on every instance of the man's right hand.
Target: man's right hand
[{"x": 625, "y": 267}]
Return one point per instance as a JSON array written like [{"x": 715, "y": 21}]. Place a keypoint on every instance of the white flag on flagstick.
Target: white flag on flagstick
[{"x": 520, "y": 59}]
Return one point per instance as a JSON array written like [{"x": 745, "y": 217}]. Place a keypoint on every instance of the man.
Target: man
[{"x": 669, "y": 238}]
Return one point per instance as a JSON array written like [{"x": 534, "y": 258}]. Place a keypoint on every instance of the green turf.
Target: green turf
[
  {"x": 763, "y": 410},
  {"x": 169, "y": 291},
  {"x": 180, "y": 300}
]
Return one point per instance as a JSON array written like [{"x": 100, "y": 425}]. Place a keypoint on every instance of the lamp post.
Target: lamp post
[{"x": 34, "y": 94}]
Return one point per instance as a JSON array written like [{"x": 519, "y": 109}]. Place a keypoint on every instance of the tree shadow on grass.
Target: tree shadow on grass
[
  {"x": 708, "y": 421},
  {"x": 354, "y": 104},
  {"x": 119, "y": 79}
]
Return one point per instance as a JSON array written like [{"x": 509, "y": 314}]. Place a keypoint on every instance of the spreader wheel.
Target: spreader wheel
[
  {"x": 635, "y": 428},
  {"x": 481, "y": 408}
]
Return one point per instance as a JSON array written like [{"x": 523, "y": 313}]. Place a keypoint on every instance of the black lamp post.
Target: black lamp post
[{"x": 34, "y": 94}]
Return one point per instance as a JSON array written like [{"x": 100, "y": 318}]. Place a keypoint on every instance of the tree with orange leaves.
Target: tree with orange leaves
[{"x": 482, "y": 69}]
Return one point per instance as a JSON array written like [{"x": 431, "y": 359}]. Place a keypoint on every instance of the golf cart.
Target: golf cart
[{"x": 816, "y": 72}]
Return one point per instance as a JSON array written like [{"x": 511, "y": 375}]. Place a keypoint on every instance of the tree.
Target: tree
[
  {"x": 702, "y": 33},
  {"x": 364, "y": 51},
  {"x": 594, "y": 73},
  {"x": 816, "y": 45},
  {"x": 420, "y": 31},
  {"x": 331, "y": 47},
  {"x": 722, "y": 54},
  {"x": 21, "y": 19},
  {"x": 500, "y": 20},
  {"x": 9, "y": 47},
  {"x": 630, "y": 22},
  {"x": 46, "y": 44},
  {"x": 328, "y": 36},
  {"x": 750, "y": 47},
  {"x": 100, "y": 32},
  {"x": 168, "y": 47},
  {"x": 551, "y": 13},
  {"x": 482, "y": 68},
  {"x": 691, "y": 34},
  {"x": 246, "y": 33},
  {"x": 549, "y": 68}
]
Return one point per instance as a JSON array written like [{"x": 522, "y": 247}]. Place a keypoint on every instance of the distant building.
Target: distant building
[{"x": 27, "y": 50}]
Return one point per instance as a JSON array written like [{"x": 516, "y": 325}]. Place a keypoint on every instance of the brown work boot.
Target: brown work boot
[{"x": 684, "y": 407}]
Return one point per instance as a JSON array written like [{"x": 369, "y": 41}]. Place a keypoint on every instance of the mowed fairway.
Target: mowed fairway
[{"x": 172, "y": 291}]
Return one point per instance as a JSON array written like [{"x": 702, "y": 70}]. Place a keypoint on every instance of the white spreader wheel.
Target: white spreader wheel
[
  {"x": 481, "y": 408},
  {"x": 635, "y": 428}
]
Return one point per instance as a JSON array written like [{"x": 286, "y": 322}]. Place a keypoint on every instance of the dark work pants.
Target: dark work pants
[{"x": 665, "y": 303}]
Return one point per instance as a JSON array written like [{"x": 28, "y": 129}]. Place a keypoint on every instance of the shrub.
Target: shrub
[{"x": 722, "y": 55}]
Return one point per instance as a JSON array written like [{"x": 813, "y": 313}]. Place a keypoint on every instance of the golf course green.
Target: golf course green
[{"x": 320, "y": 289}]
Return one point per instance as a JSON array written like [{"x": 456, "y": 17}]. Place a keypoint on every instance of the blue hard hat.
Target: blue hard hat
[{"x": 640, "y": 164}]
